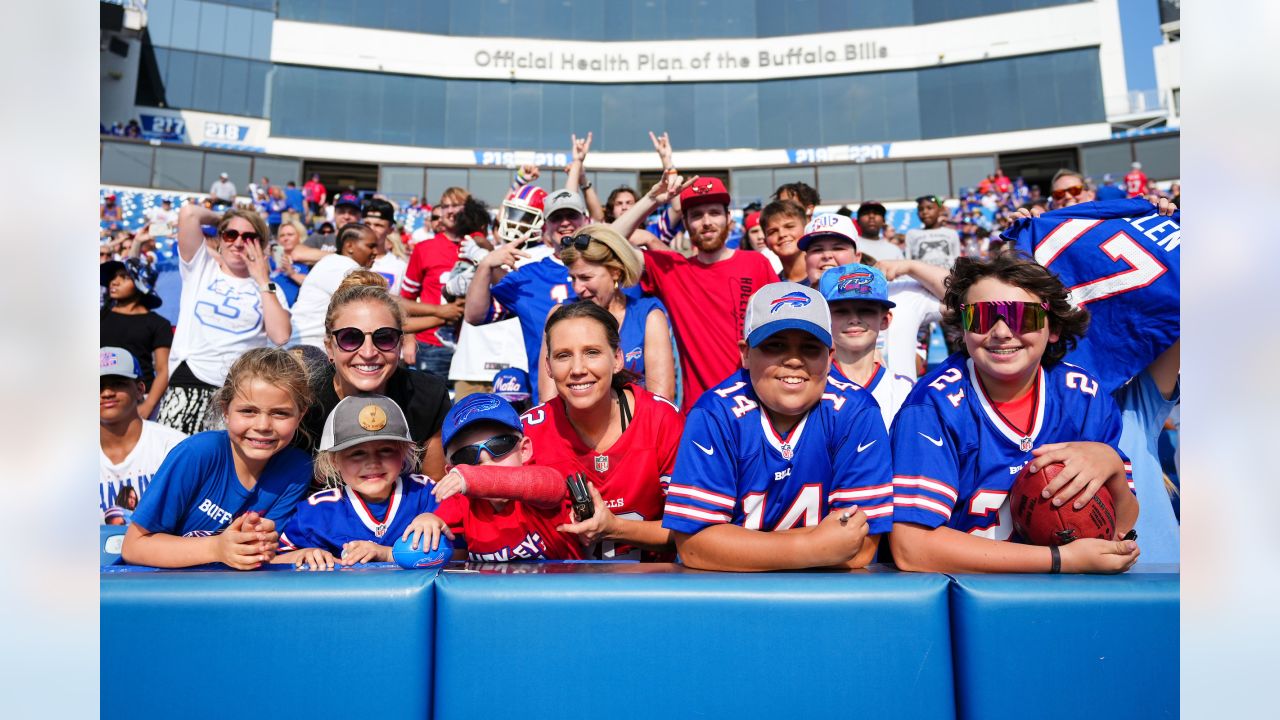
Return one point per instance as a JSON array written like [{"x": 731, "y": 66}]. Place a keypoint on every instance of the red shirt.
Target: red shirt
[
  {"x": 1003, "y": 185},
  {"x": 516, "y": 532},
  {"x": 707, "y": 305},
  {"x": 314, "y": 190},
  {"x": 632, "y": 477},
  {"x": 1135, "y": 183},
  {"x": 429, "y": 263}
]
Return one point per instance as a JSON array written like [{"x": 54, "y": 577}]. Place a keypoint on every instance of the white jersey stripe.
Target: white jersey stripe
[
  {"x": 926, "y": 484},
  {"x": 695, "y": 513},
  {"x": 700, "y": 494},
  {"x": 924, "y": 503}
]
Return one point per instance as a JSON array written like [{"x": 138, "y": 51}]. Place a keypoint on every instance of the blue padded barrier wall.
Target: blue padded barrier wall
[
  {"x": 1067, "y": 646},
  {"x": 278, "y": 644},
  {"x": 659, "y": 641}
]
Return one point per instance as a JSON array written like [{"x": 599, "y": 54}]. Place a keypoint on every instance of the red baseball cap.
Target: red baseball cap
[
  {"x": 705, "y": 191},
  {"x": 752, "y": 220}
]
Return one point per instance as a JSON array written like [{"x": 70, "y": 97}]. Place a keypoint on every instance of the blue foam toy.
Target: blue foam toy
[{"x": 423, "y": 557}]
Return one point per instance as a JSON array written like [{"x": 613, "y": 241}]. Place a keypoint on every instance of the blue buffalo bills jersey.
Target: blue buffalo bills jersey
[
  {"x": 331, "y": 518},
  {"x": 733, "y": 467},
  {"x": 196, "y": 491},
  {"x": 1119, "y": 259},
  {"x": 529, "y": 293},
  {"x": 955, "y": 457},
  {"x": 631, "y": 333}
]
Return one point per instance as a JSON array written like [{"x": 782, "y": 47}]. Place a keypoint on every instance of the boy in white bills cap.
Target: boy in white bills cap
[{"x": 776, "y": 446}]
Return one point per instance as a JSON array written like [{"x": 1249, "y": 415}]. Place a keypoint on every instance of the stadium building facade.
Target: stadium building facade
[{"x": 875, "y": 99}]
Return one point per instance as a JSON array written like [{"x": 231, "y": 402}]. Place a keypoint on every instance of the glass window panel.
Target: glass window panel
[
  {"x": 126, "y": 164},
  {"x": 305, "y": 10},
  {"x": 402, "y": 180},
  {"x": 208, "y": 84},
  {"x": 279, "y": 170},
  {"x": 160, "y": 21},
  {"x": 239, "y": 38},
  {"x": 687, "y": 109},
  {"x": 255, "y": 92},
  {"x": 748, "y": 186},
  {"x": 648, "y": 20},
  {"x": 936, "y": 102},
  {"x": 967, "y": 172},
  {"x": 260, "y": 42},
  {"x": 606, "y": 182},
  {"x": 1114, "y": 158},
  {"x": 237, "y": 168},
  {"x": 460, "y": 114},
  {"x": 1079, "y": 81},
  {"x": 588, "y": 20},
  {"x": 441, "y": 179},
  {"x": 235, "y": 80},
  {"x": 427, "y": 102},
  {"x": 742, "y": 115},
  {"x": 927, "y": 177},
  {"x": 774, "y": 113},
  {"x": 784, "y": 175},
  {"x": 213, "y": 28},
  {"x": 556, "y": 116},
  {"x": 884, "y": 181},
  {"x": 839, "y": 183},
  {"x": 493, "y": 115},
  {"x": 526, "y": 116},
  {"x": 1159, "y": 157},
  {"x": 902, "y": 107},
  {"x": 435, "y": 18},
  {"x": 184, "y": 32},
  {"x": 617, "y": 21},
  {"x": 587, "y": 115},
  {"x": 179, "y": 80},
  {"x": 491, "y": 186},
  {"x": 362, "y": 107}
]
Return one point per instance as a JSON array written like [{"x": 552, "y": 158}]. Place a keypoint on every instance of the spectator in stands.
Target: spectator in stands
[
  {"x": 128, "y": 320},
  {"x": 753, "y": 239},
  {"x": 392, "y": 260},
  {"x": 162, "y": 220},
  {"x": 1135, "y": 182},
  {"x": 620, "y": 200},
  {"x": 288, "y": 274},
  {"x": 357, "y": 246},
  {"x": 276, "y": 205},
  {"x": 223, "y": 191},
  {"x": 871, "y": 224},
  {"x": 829, "y": 240},
  {"x": 220, "y": 496},
  {"x": 423, "y": 288},
  {"x": 603, "y": 424},
  {"x": 346, "y": 210},
  {"x": 133, "y": 129},
  {"x": 362, "y": 339},
  {"x": 294, "y": 200},
  {"x": 1068, "y": 188},
  {"x": 933, "y": 243},
  {"x": 705, "y": 295},
  {"x": 601, "y": 263},
  {"x": 1002, "y": 183},
  {"x": 783, "y": 222},
  {"x": 801, "y": 194},
  {"x": 229, "y": 273},
  {"x": 110, "y": 211},
  {"x": 132, "y": 448},
  {"x": 316, "y": 196}
]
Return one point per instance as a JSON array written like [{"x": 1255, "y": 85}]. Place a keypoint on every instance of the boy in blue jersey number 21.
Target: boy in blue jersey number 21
[
  {"x": 779, "y": 467},
  {"x": 1005, "y": 401}
]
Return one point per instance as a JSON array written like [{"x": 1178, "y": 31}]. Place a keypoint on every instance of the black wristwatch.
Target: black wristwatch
[{"x": 270, "y": 287}]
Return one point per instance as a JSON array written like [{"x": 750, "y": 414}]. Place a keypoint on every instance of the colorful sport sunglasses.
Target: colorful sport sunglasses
[
  {"x": 351, "y": 339},
  {"x": 497, "y": 446},
  {"x": 1073, "y": 191},
  {"x": 1021, "y": 317}
]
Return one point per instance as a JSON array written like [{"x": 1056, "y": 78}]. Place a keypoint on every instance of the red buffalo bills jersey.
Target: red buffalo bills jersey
[
  {"x": 1135, "y": 183},
  {"x": 955, "y": 457},
  {"x": 518, "y": 531},
  {"x": 632, "y": 475},
  {"x": 734, "y": 467}
]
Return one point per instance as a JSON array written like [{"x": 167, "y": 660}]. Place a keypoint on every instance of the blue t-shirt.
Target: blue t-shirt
[
  {"x": 196, "y": 491},
  {"x": 1143, "y": 411},
  {"x": 331, "y": 518},
  {"x": 955, "y": 457},
  {"x": 293, "y": 199},
  {"x": 631, "y": 334},
  {"x": 529, "y": 293},
  {"x": 734, "y": 467}
]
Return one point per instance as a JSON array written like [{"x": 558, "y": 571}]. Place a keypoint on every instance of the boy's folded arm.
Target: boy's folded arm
[{"x": 538, "y": 485}]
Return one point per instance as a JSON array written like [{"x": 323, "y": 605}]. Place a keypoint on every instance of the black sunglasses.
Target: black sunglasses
[
  {"x": 230, "y": 235},
  {"x": 578, "y": 241},
  {"x": 351, "y": 339},
  {"x": 497, "y": 446}
]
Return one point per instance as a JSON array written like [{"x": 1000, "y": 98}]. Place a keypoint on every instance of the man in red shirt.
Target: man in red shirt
[
  {"x": 431, "y": 261},
  {"x": 706, "y": 295},
  {"x": 314, "y": 192},
  {"x": 1004, "y": 185},
  {"x": 1135, "y": 183}
]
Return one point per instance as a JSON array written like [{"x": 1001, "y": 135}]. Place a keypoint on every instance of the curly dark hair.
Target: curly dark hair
[
  {"x": 1019, "y": 270},
  {"x": 801, "y": 193},
  {"x": 472, "y": 218},
  {"x": 608, "y": 204}
]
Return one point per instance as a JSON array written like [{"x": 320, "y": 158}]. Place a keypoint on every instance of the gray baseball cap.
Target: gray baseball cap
[
  {"x": 362, "y": 418},
  {"x": 119, "y": 362},
  {"x": 786, "y": 306},
  {"x": 564, "y": 199}
]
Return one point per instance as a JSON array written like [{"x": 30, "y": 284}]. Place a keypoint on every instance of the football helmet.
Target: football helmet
[{"x": 522, "y": 216}]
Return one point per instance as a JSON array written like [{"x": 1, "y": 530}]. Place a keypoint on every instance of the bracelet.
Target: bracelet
[
  {"x": 1055, "y": 560},
  {"x": 585, "y": 186}
]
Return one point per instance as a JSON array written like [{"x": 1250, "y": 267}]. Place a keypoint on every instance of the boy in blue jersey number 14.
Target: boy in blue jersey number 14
[
  {"x": 780, "y": 467},
  {"x": 1005, "y": 401}
]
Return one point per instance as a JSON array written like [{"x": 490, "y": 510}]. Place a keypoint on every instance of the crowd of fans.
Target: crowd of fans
[{"x": 324, "y": 342}]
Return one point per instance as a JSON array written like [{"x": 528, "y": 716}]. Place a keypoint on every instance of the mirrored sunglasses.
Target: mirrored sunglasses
[{"x": 1021, "y": 317}]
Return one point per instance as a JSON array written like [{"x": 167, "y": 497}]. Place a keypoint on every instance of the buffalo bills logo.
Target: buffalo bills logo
[
  {"x": 480, "y": 405},
  {"x": 857, "y": 282},
  {"x": 634, "y": 355},
  {"x": 795, "y": 299}
]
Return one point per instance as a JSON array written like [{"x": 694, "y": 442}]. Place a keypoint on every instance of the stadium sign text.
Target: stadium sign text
[
  {"x": 514, "y": 158},
  {"x": 839, "y": 153},
  {"x": 642, "y": 61}
]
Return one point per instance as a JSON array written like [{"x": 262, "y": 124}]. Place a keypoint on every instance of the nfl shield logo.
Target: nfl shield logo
[
  {"x": 1025, "y": 445},
  {"x": 602, "y": 463},
  {"x": 787, "y": 452}
]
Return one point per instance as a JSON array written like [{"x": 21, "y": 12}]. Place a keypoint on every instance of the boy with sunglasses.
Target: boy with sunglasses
[
  {"x": 499, "y": 507},
  {"x": 1004, "y": 401}
]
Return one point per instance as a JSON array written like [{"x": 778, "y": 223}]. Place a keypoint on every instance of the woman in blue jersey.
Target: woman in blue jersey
[
  {"x": 601, "y": 264},
  {"x": 219, "y": 496}
]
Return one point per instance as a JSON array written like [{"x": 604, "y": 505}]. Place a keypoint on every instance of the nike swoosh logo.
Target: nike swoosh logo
[
  {"x": 937, "y": 442},
  {"x": 864, "y": 447},
  {"x": 709, "y": 451}
]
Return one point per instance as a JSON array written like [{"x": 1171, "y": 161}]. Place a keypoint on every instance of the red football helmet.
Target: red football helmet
[{"x": 522, "y": 216}]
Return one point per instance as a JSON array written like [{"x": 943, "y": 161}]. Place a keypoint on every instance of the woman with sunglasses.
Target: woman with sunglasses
[
  {"x": 1006, "y": 401},
  {"x": 229, "y": 306},
  {"x": 356, "y": 247},
  {"x": 363, "y": 328},
  {"x": 601, "y": 263},
  {"x": 603, "y": 424}
]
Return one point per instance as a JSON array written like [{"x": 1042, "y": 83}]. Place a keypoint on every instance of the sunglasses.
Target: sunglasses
[
  {"x": 1021, "y": 317},
  {"x": 351, "y": 339},
  {"x": 230, "y": 235},
  {"x": 1073, "y": 191},
  {"x": 578, "y": 241},
  {"x": 497, "y": 446}
]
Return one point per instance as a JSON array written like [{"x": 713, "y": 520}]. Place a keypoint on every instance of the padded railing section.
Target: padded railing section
[
  {"x": 282, "y": 644},
  {"x": 1067, "y": 646},
  {"x": 659, "y": 641}
]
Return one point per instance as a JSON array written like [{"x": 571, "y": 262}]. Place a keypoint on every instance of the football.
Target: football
[
  {"x": 1038, "y": 522},
  {"x": 423, "y": 557}
]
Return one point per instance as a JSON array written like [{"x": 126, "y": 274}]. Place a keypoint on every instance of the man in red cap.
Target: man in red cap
[{"x": 706, "y": 295}]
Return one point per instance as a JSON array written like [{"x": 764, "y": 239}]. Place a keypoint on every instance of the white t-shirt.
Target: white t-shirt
[
  {"x": 890, "y": 393},
  {"x": 939, "y": 246},
  {"x": 880, "y": 249},
  {"x": 137, "y": 468},
  {"x": 483, "y": 350},
  {"x": 313, "y": 298},
  {"x": 162, "y": 221},
  {"x": 915, "y": 306},
  {"x": 392, "y": 268},
  {"x": 219, "y": 318}
]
